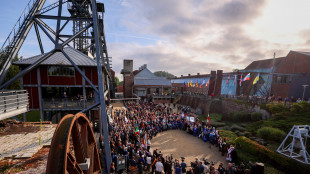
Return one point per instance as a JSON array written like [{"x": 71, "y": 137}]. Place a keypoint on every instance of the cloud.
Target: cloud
[{"x": 198, "y": 35}]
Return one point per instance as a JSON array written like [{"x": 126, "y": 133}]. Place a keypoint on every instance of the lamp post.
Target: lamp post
[{"x": 303, "y": 95}]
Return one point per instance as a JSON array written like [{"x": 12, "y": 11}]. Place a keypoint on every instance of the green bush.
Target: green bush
[
  {"x": 276, "y": 108},
  {"x": 253, "y": 127},
  {"x": 255, "y": 116},
  {"x": 217, "y": 117},
  {"x": 240, "y": 116},
  {"x": 230, "y": 136},
  {"x": 301, "y": 107},
  {"x": 217, "y": 124},
  {"x": 235, "y": 127},
  {"x": 270, "y": 157},
  {"x": 273, "y": 134}
]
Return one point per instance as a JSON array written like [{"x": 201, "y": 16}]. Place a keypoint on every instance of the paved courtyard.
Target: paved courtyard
[{"x": 181, "y": 144}]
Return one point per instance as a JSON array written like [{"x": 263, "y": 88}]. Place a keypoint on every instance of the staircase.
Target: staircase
[
  {"x": 17, "y": 36},
  {"x": 177, "y": 99}
]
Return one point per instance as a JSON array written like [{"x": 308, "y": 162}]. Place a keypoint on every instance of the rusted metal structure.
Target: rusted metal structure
[
  {"x": 87, "y": 37},
  {"x": 73, "y": 148}
]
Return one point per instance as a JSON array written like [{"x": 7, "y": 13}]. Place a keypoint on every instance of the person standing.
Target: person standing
[
  {"x": 183, "y": 166},
  {"x": 159, "y": 166}
]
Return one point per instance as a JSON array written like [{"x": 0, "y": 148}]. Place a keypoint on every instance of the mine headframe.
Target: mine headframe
[{"x": 87, "y": 36}]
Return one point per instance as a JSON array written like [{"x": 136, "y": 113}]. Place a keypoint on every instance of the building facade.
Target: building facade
[{"x": 56, "y": 88}]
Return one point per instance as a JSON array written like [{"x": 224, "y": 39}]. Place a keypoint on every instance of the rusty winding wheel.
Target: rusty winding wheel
[{"x": 73, "y": 148}]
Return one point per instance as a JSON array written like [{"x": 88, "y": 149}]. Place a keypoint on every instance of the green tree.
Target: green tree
[
  {"x": 164, "y": 74},
  {"x": 117, "y": 81},
  {"x": 13, "y": 71}
]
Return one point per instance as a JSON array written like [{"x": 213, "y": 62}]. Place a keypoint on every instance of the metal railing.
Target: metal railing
[
  {"x": 13, "y": 103},
  {"x": 66, "y": 103}
]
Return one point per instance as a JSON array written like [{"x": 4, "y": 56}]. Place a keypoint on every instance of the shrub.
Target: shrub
[
  {"x": 255, "y": 116},
  {"x": 217, "y": 124},
  {"x": 217, "y": 117},
  {"x": 276, "y": 108},
  {"x": 236, "y": 127},
  {"x": 271, "y": 157},
  {"x": 240, "y": 116},
  {"x": 269, "y": 133},
  {"x": 253, "y": 127},
  {"x": 301, "y": 107},
  {"x": 230, "y": 136}
]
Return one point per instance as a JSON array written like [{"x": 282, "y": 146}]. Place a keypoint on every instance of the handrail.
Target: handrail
[
  {"x": 18, "y": 22},
  {"x": 13, "y": 103}
]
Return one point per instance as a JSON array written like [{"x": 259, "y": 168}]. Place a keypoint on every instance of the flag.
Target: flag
[
  {"x": 184, "y": 84},
  {"x": 235, "y": 80},
  {"x": 126, "y": 120},
  {"x": 145, "y": 140},
  {"x": 228, "y": 79},
  {"x": 240, "y": 80},
  {"x": 188, "y": 84},
  {"x": 137, "y": 131},
  {"x": 197, "y": 84},
  {"x": 191, "y": 84},
  {"x": 247, "y": 77},
  {"x": 208, "y": 119},
  {"x": 207, "y": 83},
  {"x": 256, "y": 79},
  {"x": 203, "y": 82}
]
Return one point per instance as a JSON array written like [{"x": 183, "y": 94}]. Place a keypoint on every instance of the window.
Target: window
[
  {"x": 60, "y": 71},
  {"x": 283, "y": 79}
]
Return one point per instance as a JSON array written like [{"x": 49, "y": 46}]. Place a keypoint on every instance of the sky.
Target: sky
[{"x": 189, "y": 36}]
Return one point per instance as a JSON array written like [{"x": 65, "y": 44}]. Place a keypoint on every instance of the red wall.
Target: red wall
[{"x": 31, "y": 78}]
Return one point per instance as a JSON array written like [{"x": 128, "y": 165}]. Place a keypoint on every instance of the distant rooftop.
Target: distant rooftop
[{"x": 58, "y": 58}]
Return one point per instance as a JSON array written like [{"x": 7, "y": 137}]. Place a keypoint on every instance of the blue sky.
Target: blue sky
[{"x": 187, "y": 37}]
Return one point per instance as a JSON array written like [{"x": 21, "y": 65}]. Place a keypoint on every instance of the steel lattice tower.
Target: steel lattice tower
[{"x": 87, "y": 36}]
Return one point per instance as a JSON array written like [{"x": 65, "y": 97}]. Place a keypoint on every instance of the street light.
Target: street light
[{"x": 303, "y": 95}]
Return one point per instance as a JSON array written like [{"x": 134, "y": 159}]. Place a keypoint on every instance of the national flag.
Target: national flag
[
  {"x": 126, "y": 120},
  {"x": 256, "y": 79},
  {"x": 188, "y": 84},
  {"x": 154, "y": 161},
  {"x": 247, "y": 77},
  {"x": 203, "y": 82},
  {"x": 191, "y": 84},
  {"x": 145, "y": 140},
  {"x": 137, "y": 131},
  {"x": 228, "y": 79},
  {"x": 197, "y": 85},
  {"x": 184, "y": 84},
  {"x": 235, "y": 80},
  {"x": 207, "y": 83},
  {"x": 240, "y": 80},
  {"x": 208, "y": 119}
]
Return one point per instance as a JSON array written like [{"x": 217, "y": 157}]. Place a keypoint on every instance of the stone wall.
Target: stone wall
[{"x": 221, "y": 106}]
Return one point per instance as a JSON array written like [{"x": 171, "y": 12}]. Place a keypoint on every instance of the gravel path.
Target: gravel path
[{"x": 181, "y": 144}]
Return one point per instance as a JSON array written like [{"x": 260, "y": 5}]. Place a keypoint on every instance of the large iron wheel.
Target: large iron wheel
[{"x": 73, "y": 147}]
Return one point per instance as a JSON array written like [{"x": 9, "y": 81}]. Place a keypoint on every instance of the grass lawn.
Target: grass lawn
[{"x": 32, "y": 116}]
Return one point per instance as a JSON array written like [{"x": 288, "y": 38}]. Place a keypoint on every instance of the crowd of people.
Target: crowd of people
[{"x": 133, "y": 129}]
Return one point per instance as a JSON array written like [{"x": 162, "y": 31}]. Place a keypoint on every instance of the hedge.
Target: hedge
[
  {"x": 271, "y": 157},
  {"x": 230, "y": 136},
  {"x": 255, "y": 116},
  {"x": 240, "y": 116},
  {"x": 270, "y": 133}
]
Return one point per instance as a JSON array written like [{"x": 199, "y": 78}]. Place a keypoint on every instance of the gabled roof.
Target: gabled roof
[
  {"x": 146, "y": 78},
  {"x": 146, "y": 73},
  {"x": 79, "y": 58},
  {"x": 152, "y": 81},
  {"x": 263, "y": 65}
]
